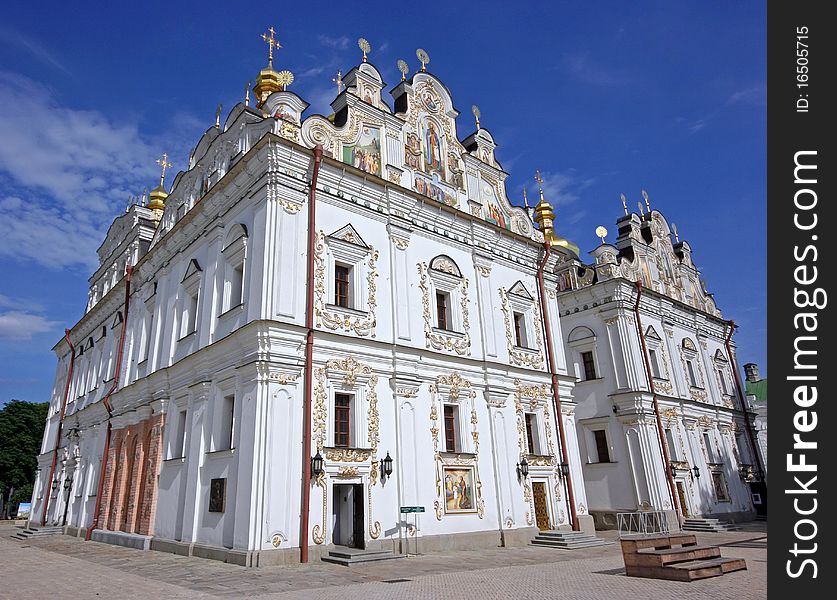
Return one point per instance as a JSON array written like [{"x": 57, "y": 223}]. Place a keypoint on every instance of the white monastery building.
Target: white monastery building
[{"x": 327, "y": 319}]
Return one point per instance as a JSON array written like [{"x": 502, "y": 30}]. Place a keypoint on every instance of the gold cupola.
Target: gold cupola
[
  {"x": 268, "y": 80},
  {"x": 543, "y": 214},
  {"x": 157, "y": 196}
]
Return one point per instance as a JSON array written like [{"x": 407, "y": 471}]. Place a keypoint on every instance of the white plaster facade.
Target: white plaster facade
[
  {"x": 701, "y": 410},
  {"x": 215, "y": 337}
]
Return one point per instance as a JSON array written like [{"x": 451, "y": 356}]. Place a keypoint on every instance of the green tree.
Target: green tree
[{"x": 21, "y": 430}]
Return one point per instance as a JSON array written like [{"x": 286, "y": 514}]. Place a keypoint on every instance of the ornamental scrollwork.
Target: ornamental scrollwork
[
  {"x": 522, "y": 357},
  {"x": 361, "y": 325},
  {"x": 439, "y": 339}
]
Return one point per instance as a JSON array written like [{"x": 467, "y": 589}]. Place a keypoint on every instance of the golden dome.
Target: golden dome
[
  {"x": 266, "y": 83},
  {"x": 157, "y": 198}
]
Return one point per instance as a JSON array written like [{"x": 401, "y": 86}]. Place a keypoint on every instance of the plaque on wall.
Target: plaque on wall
[{"x": 217, "y": 494}]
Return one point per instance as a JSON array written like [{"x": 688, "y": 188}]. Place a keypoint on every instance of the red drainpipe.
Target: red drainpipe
[
  {"x": 309, "y": 359},
  {"x": 106, "y": 404},
  {"x": 739, "y": 387},
  {"x": 660, "y": 432},
  {"x": 60, "y": 424},
  {"x": 556, "y": 397}
]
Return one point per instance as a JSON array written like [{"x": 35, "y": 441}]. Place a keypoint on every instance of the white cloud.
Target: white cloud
[
  {"x": 753, "y": 96},
  {"x": 20, "y": 325},
  {"x": 29, "y": 45},
  {"x": 66, "y": 174},
  {"x": 587, "y": 70},
  {"x": 339, "y": 43}
]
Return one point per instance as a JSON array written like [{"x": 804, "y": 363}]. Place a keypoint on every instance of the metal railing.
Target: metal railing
[{"x": 642, "y": 523}]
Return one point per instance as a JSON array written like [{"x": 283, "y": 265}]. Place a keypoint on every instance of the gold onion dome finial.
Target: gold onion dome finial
[
  {"x": 544, "y": 215},
  {"x": 157, "y": 196},
  {"x": 268, "y": 80}
]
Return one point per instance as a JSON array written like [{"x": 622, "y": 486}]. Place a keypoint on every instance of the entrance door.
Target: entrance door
[
  {"x": 347, "y": 515},
  {"x": 541, "y": 510},
  {"x": 681, "y": 493}
]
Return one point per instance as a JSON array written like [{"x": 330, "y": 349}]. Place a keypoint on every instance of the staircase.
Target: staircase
[
  {"x": 34, "y": 531},
  {"x": 675, "y": 558},
  {"x": 708, "y": 526},
  {"x": 347, "y": 557},
  {"x": 568, "y": 540}
]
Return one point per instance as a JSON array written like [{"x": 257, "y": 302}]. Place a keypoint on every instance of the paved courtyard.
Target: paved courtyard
[{"x": 65, "y": 567}]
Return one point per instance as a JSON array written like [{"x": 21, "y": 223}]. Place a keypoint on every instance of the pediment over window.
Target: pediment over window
[
  {"x": 581, "y": 334},
  {"x": 518, "y": 289},
  {"x": 117, "y": 320},
  {"x": 350, "y": 235},
  {"x": 719, "y": 356},
  {"x": 237, "y": 232},
  {"x": 445, "y": 264},
  {"x": 689, "y": 345},
  {"x": 193, "y": 270},
  {"x": 651, "y": 333}
]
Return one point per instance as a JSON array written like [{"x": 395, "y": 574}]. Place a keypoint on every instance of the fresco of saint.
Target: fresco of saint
[
  {"x": 366, "y": 153},
  {"x": 433, "y": 150}
]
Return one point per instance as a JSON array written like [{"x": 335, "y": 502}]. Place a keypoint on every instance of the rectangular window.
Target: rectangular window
[
  {"x": 710, "y": 454},
  {"x": 724, "y": 389},
  {"x": 342, "y": 279},
  {"x": 602, "y": 448},
  {"x": 672, "y": 449},
  {"x": 233, "y": 286},
  {"x": 189, "y": 314},
  {"x": 179, "y": 449},
  {"x": 532, "y": 433},
  {"x": 520, "y": 330},
  {"x": 443, "y": 311},
  {"x": 342, "y": 420},
  {"x": 690, "y": 368},
  {"x": 146, "y": 337},
  {"x": 450, "y": 428},
  {"x": 226, "y": 425},
  {"x": 655, "y": 363},
  {"x": 589, "y": 365}
]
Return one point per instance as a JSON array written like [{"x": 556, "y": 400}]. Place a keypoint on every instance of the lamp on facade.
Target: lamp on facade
[
  {"x": 523, "y": 469},
  {"x": 746, "y": 473},
  {"x": 55, "y": 484},
  {"x": 696, "y": 472},
  {"x": 68, "y": 483},
  {"x": 317, "y": 465},
  {"x": 672, "y": 469},
  {"x": 564, "y": 470},
  {"x": 386, "y": 467}
]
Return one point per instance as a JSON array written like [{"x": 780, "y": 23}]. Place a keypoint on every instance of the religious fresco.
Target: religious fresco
[
  {"x": 366, "y": 153},
  {"x": 493, "y": 214},
  {"x": 433, "y": 151},
  {"x": 459, "y": 490},
  {"x": 491, "y": 210},
  {"x": 412, "y": 152},
  {"x": 455, "y": 170},
  {"x": 434, "y": 191},
  {"x": 283, "y": 112}
]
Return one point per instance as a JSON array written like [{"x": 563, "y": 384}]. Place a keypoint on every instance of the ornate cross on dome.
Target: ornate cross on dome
[
  {"x": 364, "y": 46},
  {"x": 647, "y": 203},
  {"x": 338, "y": 81},
  {"x": 624, "y": 203},
  {"x": 423, "y": 57},
  {"x": 272, "y": 43},
  {"x": 674, "y": 231},
  {"x": 539, "y": 179},
  {"x": 164, "y": 164}
]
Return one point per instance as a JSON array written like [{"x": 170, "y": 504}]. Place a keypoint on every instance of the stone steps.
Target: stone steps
[
  {"x": 708, "y": 525},
  {"x": 568, "y": 540},
  {"x": 31, "y": 532},
  {"x": 352, "y": 556}
]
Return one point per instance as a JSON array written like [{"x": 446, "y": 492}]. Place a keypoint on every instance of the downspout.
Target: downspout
[
  {"x": 309, "y": 360},
  {"x": 739, "y": 387},
  {"x": 60, "y": 423},
  {"x": 556, "y": 397},
  {"x": 660, "y": 432},
  {"x": 106, "y": 403}
]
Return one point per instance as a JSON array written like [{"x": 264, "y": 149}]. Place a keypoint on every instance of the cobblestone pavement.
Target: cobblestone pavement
[{"x": 61, "y": 566}]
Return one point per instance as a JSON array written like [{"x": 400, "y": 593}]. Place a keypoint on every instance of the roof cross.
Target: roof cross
[
  {"x": 164, "y": 164},
  {"x": 272, "y": 43}
]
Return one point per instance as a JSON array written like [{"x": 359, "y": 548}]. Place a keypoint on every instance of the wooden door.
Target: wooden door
[
  {"x": 681, "y": 493},
  {"x": 358, "y": 537},
  {"x": 541, "y": 509}
]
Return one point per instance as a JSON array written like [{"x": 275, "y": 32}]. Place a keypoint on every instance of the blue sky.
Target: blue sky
[{"x": 602, "y": 97}]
